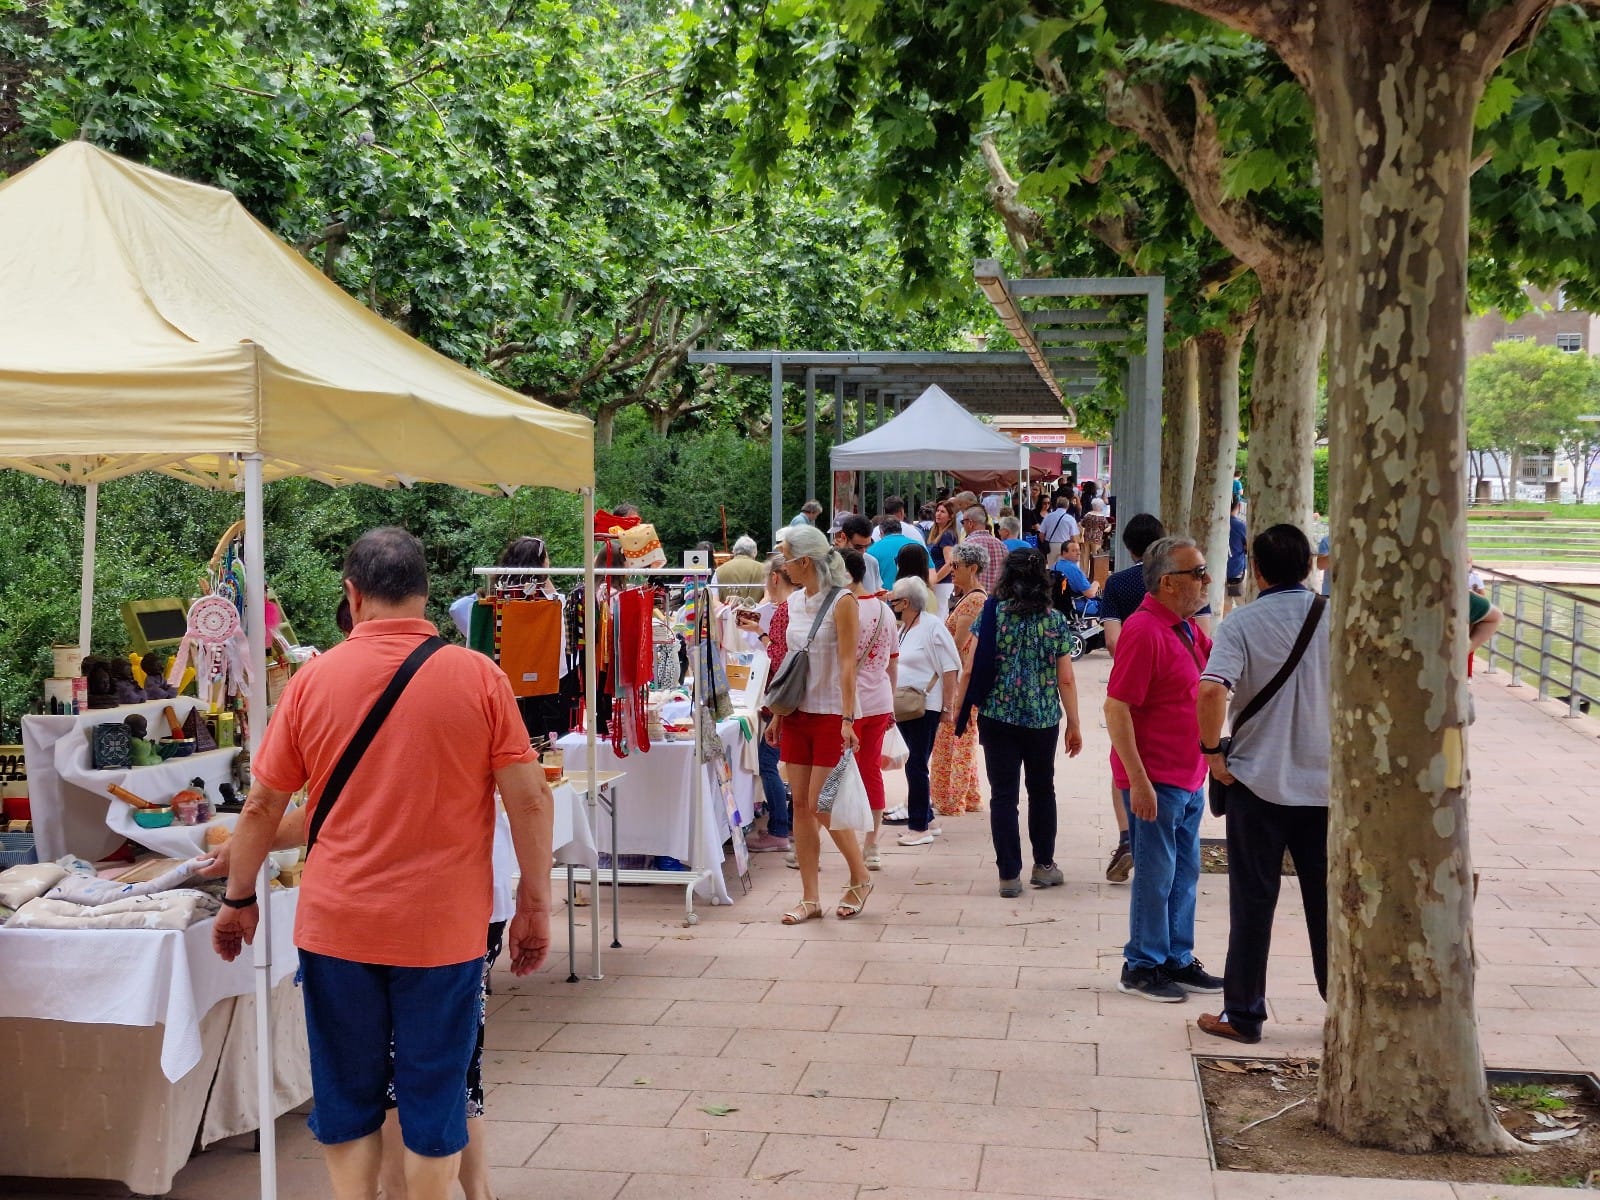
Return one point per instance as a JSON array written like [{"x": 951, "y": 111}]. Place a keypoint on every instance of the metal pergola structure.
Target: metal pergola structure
[
  {"x": 1057, "y": 335},
  {"x": 1059, "y": 361}
]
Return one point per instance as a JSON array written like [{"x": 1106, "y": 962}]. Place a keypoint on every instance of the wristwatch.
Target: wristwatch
[
  {"x": 1208, "y": 750},
  {"x": 243, "y": 902}
]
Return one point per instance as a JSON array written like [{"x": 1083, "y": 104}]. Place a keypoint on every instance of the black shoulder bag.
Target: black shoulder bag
[
  {"x": 362, "y": 738},
  {"x": 1217, "y": 792}
]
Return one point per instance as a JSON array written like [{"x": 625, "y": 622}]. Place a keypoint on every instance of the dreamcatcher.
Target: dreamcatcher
[{"x": 214, "y": 642}]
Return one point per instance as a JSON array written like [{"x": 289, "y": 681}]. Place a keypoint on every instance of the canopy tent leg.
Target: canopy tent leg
[
  {"x": 91, "y": 529},
  {"x": 255, "y": 619},
  {"x": 591, "y": 704}
]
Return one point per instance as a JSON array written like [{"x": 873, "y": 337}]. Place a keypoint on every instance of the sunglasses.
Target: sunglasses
[{"x": 1200, "y": 572}]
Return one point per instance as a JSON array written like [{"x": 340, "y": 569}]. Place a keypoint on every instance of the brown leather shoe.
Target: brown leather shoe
[{"x": 1217, "y": 1026}]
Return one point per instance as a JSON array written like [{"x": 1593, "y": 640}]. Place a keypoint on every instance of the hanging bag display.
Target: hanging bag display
[
  {"x": 641, "y": 548},
  {"x": 786, "y": 690}
]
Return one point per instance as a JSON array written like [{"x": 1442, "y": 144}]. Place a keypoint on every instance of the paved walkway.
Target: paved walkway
[{"x": 953, "y": 1044}]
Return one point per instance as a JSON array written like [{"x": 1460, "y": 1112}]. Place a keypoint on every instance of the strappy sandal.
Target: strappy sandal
[
  {"x": 856, "y": 900},
  {"x": 806, "y": 910}
]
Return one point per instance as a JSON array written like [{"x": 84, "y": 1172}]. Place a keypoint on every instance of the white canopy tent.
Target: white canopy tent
[
  {"x": 934, "y": 432},
  {"x": 147, "y": 323}
]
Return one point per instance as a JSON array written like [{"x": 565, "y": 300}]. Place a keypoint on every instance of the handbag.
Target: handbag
[
  {"x": 365, "y": 732},
  {"x": 895, "y": 751},
  {"x": 843, "y": 798},
  {"x": 786, "y": 690},
  {"x": 1216, "y": 790}
]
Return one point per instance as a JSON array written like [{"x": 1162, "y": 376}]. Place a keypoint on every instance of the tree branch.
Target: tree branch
[
  {"x": 336, "y": 229},
  {"x": 1023, "y": 225},
  {"x": 1195, "y": 157}
]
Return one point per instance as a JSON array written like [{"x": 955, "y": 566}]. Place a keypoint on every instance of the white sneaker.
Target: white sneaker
[{"x": 936, "y": 831}]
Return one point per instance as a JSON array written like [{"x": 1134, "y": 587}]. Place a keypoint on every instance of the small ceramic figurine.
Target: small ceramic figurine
[
  {"x": 122, "y": 684},
  {"x": 155, "y": 687},
  {"x": 101, "y": 692},
  {"x": 142, "y": 751}
]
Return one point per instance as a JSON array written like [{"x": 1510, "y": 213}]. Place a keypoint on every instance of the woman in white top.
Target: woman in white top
[
  {"x": 929, "y": 662},
  {"x": 875, "y": 684},
  {"x": 811, "y": 740}
]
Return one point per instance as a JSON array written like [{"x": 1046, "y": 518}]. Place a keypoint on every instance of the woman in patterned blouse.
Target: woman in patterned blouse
[{"x": 1018, "y": 718}]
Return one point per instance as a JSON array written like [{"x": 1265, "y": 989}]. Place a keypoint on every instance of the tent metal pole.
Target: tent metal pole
[
  {"x": 777, "y": 442},
  {"x": 838, "y": 436},
  {"x": 880, "y": 473},
  {"x": 811, "y": 436},
  {"x": 255, "y": 622},
  {"x": 91, "y": 528},
  {"x": 591, "y": 702}
]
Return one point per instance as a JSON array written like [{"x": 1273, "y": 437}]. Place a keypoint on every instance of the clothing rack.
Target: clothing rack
[{"x": 689, "y": 879}]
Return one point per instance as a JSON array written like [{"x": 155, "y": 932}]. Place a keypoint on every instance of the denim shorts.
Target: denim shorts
[{"x": 353, "y": 1010}]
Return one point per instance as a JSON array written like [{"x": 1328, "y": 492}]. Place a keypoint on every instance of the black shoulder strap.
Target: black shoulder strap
[
  {"x": 362, "y": 738},
  {"x": 1259, "y": 700}
]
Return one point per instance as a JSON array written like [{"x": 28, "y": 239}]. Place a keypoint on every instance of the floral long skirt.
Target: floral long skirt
[{"x": 953, "y": 772}]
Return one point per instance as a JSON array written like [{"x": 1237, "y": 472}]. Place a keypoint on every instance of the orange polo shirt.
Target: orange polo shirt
[{"x": 401, "y": 875}]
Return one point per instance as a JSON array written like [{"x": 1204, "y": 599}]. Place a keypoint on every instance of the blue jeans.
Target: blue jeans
[
  {"x": 777, "y": 794},
  {"x": 1166, "y": 872}
]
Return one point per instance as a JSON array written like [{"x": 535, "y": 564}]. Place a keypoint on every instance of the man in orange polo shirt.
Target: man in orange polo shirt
[{"x": 396, "y": 894}]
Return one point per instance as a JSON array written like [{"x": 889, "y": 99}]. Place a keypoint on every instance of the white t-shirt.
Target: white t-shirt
[
  {"x": 927, "y": 649},
  {"x": 1058, "y": 526}
]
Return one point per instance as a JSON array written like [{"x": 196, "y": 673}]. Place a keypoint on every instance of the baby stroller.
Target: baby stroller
[{"x": 1083, "y": 618}]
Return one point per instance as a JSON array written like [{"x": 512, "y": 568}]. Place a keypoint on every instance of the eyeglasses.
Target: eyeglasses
[{"x": 1200, "y": 572}]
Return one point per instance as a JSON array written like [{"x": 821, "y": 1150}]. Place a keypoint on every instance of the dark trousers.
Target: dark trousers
[
  {"x": 919, "y": 734},
  {"x": 1258, "y": 834},
  {"x": 1010, "y": 754}
]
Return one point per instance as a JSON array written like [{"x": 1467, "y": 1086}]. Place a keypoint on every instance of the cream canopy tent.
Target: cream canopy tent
[{"x": 150, "y": 324}]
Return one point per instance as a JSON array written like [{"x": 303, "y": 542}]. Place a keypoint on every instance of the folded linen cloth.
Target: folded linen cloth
[
  {"x": 177, "y": 909},
  {"x": 18, "y": 885},
  {"x": 92, "y": 892}
]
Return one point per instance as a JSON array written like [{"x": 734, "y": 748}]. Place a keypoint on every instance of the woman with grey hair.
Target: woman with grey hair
[
  {"x": 953, "y": 769},
  {"x": 930, "y": 665},
  {"x": 740, "y": 579},
  {"x": 812, "y": 739}
]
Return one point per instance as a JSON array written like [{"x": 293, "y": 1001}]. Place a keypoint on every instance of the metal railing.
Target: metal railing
[{"x": 1547, "y": 630}]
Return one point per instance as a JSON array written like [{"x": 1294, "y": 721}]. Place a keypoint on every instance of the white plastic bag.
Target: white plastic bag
[
  {"x": 895, "y": 750},
  {"x": 844, "y": 797}
]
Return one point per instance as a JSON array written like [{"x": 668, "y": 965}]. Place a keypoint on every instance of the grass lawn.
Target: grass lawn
[{"x": 1553, "y": 512}]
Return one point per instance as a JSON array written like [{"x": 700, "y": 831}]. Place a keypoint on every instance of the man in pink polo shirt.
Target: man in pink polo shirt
[{"x": 1157, "y": 765}]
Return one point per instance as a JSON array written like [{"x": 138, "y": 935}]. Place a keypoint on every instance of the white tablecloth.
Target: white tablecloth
[
  {"x": 655, "y": 815},
  {"x": 169, "y": 978}
]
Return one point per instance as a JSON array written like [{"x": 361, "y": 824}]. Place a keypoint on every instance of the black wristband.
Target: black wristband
[
  {"x": 246, "y": 902},
  {"x": 1205, "y": 749}
]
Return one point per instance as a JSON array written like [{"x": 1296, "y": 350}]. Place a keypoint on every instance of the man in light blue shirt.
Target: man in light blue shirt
[{"x": 885, "y": 550}]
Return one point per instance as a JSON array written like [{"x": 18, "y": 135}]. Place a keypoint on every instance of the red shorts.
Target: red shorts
[
  {"x": 811, "y": 739},
  {"x": 870, "y": 732}
]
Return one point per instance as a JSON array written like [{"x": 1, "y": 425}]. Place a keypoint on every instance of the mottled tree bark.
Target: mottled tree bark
[
  {"x": 1180, "y": 434},
  {"x": 1283, "y": 390},
  {"x": 1217, "y": 356},
  {"x": 1394, "y": 85}
]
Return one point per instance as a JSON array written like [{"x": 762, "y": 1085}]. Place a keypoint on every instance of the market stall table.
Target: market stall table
[
  {"x": 657, "y": 818},
  {"x": 147, "y": 1033}
]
